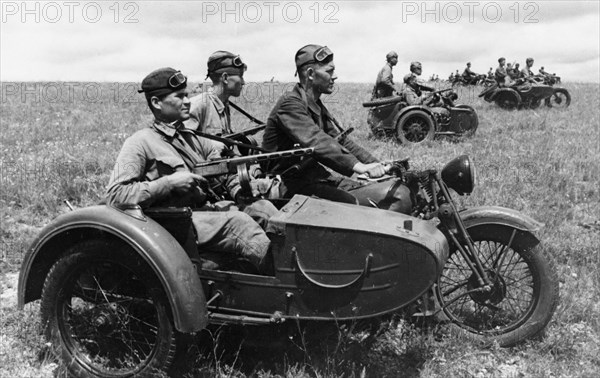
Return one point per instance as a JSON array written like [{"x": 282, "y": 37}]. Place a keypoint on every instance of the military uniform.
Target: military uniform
[
  {"x": 526, "y": 72},
  {"x": 209, "y": 115},
  {"x": 148, "y": 159},
  {"x": 384, "y": 84},
  {"x": 500, "y": 75},
  {"x": 296, "y": 121}
]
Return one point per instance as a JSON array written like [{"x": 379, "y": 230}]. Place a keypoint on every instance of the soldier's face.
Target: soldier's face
[
  {"x": 418, "y": 70},
  {"x": 235, "y": 83},
  {"x": 323, "y": 77},
  {"x": 173, "y": 107},
  {"x": 393, "y": 61}
]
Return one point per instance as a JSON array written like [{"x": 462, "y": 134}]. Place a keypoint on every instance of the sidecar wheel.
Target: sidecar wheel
[
  {"x": 105, "y": 314},
  {"x": 415, "y": 127},
  {"x": 560, "y": 99},
  {"x": 507, "y": 99},
  {"x": 523, "y": 296}
]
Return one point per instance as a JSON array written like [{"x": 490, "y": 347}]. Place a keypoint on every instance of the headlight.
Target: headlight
[{"x": 459, "y": 174}]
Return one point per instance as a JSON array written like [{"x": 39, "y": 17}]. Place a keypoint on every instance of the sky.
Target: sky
[{"x": 123, "y": 41}]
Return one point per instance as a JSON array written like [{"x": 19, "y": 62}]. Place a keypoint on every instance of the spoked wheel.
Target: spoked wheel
[
  {"x": 105, "y": 314},
  {"x": 507, "y": 99},
  {"x": 560, "y": 99},
  {"x": 521, "y": 298},
  {"x": 415, "y": 127}
]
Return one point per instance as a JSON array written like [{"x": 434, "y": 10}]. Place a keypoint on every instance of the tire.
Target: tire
[
  {"x": 522, "y": 300},
  {"x": 534, "y": 104},
  {"x": 507, "y": 99},
  {"x": 105, "y": 314},
  {"x": 474, "y": 120},
  {"x": 415, "y": 127},
  {"x": 560, "y": 99},
  {"x": 382, "y": 101}
]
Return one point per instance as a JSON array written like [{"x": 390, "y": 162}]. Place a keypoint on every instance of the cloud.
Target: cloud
[{"x": 184, "y": 33}]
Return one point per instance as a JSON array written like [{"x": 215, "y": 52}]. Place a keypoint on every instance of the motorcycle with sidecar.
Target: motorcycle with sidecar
[
  {"x": 122, "y": 288},
  {"x": 527, "y": 94},
  {"x": 413, "y": 124}
]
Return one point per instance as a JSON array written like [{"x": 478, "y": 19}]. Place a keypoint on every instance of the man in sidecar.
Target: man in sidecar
[
  {"x": 155, "y": 168},
  {"x": 210, "y": 111},
  {"x": 413, "y": 93},
  {"x": 301, "y": 118}
]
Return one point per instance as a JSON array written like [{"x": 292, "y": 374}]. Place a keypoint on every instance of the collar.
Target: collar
[
  {"x": 219, "y": 106},
  {"x": 167, "y": 129},
  {"x": 313, "y": 106}
]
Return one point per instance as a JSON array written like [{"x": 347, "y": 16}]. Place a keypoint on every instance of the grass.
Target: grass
[{"x": 544, "y": 162}]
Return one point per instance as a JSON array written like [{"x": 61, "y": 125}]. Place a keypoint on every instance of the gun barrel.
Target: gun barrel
[{"x": 224, "y": 166}]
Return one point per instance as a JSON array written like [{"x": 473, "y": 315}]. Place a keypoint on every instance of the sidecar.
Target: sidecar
[
  {"x": 419, "y": 123},
  {"x": 119, "y": 286},
  {"x": 527, "y": 96}
]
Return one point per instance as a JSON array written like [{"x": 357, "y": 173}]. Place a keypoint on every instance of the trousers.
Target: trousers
[{"x": 235, "y": 232}]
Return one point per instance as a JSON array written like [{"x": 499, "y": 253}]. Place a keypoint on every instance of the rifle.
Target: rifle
[
  {"x": 440, "y": 91},
  {"x": 220, "y": 167}
]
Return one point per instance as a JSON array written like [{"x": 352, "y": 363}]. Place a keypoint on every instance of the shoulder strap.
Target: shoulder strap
[{"x": 248, "y": 115}]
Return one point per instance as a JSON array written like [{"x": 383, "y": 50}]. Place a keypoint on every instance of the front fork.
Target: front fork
[{"x": 457, "y": 232}]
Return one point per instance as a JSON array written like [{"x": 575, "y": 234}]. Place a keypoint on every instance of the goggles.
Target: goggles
[
  {"x": 318, "y": 56},
  {"x": 322, "y": 54},
  {"x": 236, "y": 62},
  {"x": 177, "y": 79}
]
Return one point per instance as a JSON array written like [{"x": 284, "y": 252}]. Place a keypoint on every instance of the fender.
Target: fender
[
  {"x": 146, "y": 237},
  {"x": 485, "y": 215}
]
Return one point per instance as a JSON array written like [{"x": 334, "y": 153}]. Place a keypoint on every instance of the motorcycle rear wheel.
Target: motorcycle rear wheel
[
  {"x": 106, "y": 315},
  {"x": 522, "y": 300}
]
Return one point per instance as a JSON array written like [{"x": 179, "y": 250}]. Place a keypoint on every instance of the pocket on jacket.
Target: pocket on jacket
[{"x": 165, "y": 165}]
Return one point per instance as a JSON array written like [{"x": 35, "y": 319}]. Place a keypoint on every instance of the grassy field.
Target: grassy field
[{"x": 59, "y": 144}]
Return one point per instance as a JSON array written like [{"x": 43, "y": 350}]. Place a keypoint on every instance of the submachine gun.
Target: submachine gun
[{"x": 240, "y": 165}]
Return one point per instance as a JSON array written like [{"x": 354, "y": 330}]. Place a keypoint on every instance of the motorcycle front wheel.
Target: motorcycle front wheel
[
  {"x": 523, "y": 295},
  {"x": 560, "y": 99},
  {"x": 105, "y": 313}
]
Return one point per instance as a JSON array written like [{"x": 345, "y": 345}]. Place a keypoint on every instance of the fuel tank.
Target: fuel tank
[{"x": 346, "y": 261}]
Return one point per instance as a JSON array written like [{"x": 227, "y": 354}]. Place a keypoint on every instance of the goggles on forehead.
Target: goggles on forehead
[
  {"x": 177, "y": 80},
  {"x": 236, "y": 61},
  {"x": 322, "y": 54},
  {"x": 318, "y": 56}
]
